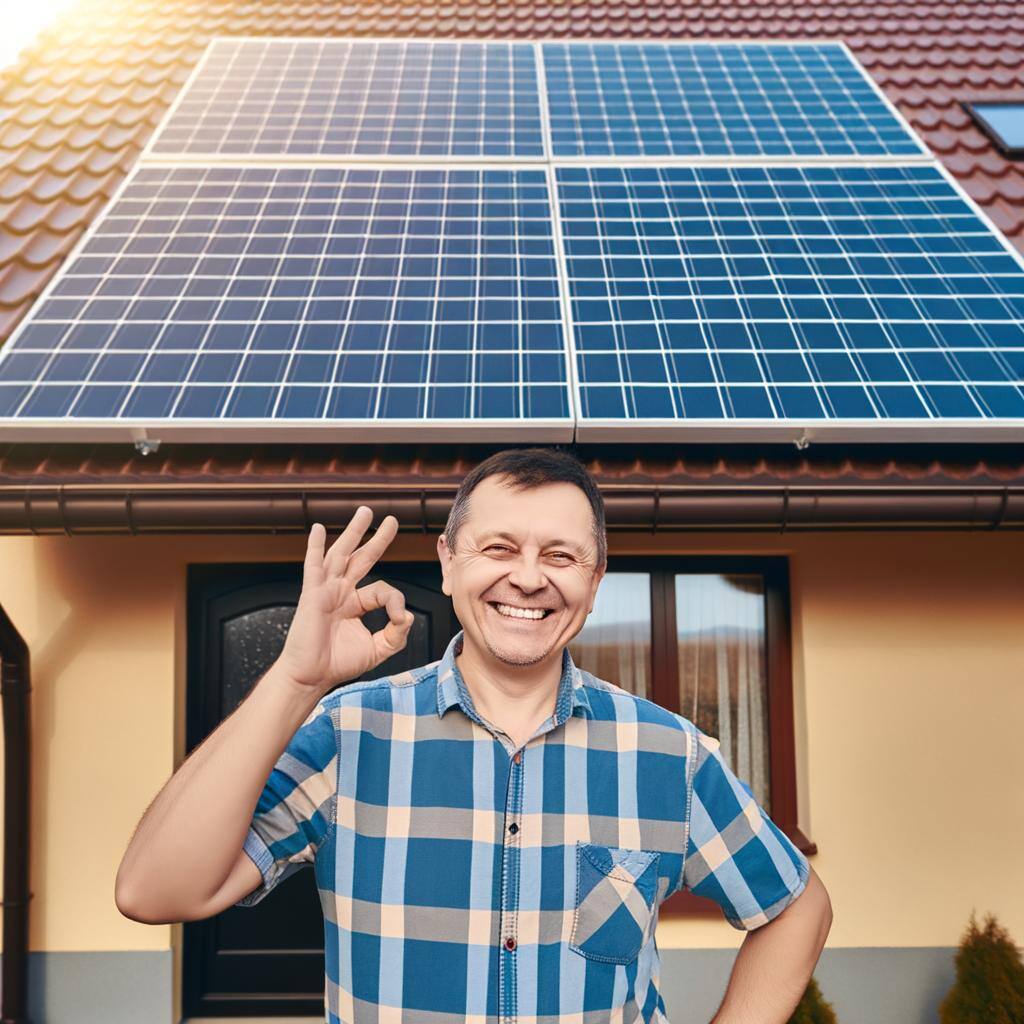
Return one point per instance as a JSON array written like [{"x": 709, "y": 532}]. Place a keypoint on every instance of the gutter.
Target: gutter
[
  {"x": 265, "y": 507},
  {"x": 14, "y": 691}
]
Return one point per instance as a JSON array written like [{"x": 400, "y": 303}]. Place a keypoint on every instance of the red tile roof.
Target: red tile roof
[{"x": 79, "y": 105}]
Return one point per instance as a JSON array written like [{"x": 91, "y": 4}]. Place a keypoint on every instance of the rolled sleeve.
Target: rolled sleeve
[
  {"x": 735, "y": 854},
  {"x": 296, "y": 809}
]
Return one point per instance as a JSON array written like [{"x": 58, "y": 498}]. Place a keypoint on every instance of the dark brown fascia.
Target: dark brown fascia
[{"x": 262, "y": 507}]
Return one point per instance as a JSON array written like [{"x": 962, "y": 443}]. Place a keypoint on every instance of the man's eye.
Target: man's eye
[
  {"x": 561, "y": 554},
  {"x": 497, "y": 547}
]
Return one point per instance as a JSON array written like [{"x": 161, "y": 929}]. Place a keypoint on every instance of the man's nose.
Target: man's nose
[{"x": 528, "y": 574}]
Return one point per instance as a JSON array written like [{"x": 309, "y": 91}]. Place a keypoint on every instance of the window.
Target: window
[
  {"x": 1003, "y": 123},
  {"x": 708, "y": 638}
]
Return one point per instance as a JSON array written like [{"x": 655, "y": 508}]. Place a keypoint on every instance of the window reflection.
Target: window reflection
[
  {"x": 615, "y": 642},
  {"x": 723, "y": 683}
]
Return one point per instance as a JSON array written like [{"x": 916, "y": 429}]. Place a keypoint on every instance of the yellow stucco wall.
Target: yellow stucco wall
[{"x": 909, "y": 687}]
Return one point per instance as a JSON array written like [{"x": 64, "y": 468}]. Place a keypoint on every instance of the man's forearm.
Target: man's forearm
[
  {"x": 776, "y": 961},
  {"x": 192, "y": 833}
]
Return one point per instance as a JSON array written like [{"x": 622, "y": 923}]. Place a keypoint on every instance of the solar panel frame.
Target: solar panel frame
[
  {"x": 153, "y": 150},
  {"x": 259, "y": 429},
  {"x": 803, "y": 430}
]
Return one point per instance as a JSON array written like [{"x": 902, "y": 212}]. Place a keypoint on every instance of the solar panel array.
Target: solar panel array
[{"x": 544, "y": 241}]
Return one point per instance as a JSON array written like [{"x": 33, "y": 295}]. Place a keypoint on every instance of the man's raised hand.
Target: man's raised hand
[{"x": 327, "y": 643}]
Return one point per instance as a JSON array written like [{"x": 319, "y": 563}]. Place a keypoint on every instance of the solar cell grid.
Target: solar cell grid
[
  {"x": 787, "y": 293},
  {"x": 325, "y": 294},
  {"x": 331, "y": 97},
  {"x": 706, "y": 100}
]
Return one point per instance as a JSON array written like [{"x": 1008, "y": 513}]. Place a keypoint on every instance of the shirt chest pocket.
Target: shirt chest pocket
[{"x": 615, "y": 891}]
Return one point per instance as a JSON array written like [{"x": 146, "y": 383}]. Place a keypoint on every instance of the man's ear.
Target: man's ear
[
  {"x": 595, "y": 582},
  {"x": 444, "y": 556}
]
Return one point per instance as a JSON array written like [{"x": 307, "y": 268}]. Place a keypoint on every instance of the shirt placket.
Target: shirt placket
[{"x": 510, "y": 863}]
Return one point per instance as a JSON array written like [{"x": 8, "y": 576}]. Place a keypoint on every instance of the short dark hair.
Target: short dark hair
[{"x": 526, "y": 468}]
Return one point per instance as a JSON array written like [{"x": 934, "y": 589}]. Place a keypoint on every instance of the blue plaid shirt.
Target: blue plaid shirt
[{"x": 467, "y": 880}]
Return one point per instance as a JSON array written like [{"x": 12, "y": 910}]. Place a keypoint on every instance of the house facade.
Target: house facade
[{"x": 845, "y": 616}]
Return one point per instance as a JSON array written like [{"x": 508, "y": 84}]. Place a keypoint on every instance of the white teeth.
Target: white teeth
[{"x": 520, "y": 613}]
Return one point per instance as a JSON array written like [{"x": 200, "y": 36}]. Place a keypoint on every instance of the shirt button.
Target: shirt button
[
  {"x": 518, "y": 756},
  {"x": 513, "y": 828},
  {"x": 510, "y": 943}
]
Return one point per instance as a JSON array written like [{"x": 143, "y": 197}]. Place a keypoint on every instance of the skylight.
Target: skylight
[{"x": 1003, "y": 123}]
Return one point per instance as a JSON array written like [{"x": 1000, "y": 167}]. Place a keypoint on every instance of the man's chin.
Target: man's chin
[{"x": 516, "y": 655}]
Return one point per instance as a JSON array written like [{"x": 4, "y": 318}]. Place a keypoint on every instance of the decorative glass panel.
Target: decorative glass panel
[
  {"x": 252, "y": 643},
  {"x": 720, "y": 627},
  {"x": 615, "y": 642}
]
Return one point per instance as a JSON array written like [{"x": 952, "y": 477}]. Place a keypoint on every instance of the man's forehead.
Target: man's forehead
[{"x": 496, "y": 507}]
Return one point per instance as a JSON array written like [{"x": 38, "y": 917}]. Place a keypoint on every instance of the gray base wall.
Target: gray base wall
[
  {"x": 93, "y": 988},
  {"x": 873, "y": 985},
  {"x": 877, "y": 985}
]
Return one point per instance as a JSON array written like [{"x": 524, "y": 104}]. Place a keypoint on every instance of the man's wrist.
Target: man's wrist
[{"x": 296, "y": 695}]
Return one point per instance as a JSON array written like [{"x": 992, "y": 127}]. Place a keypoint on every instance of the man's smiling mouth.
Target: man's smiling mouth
[{"x": 511, "y": 611}]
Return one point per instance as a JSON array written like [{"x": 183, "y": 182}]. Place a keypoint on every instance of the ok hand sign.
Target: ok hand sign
[{"x": 327, "y": 644}]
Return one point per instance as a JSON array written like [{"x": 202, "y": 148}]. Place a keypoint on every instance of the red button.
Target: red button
[{"x": 510, "y": 943}]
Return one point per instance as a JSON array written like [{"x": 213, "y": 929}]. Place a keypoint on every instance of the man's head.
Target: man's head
[{"x": 523, "y": 553}]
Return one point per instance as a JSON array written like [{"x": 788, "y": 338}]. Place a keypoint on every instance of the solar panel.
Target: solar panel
[
  {"x": 337, "y": 296},
  {"x": 337, "y": 97},
  {"x": 760, "y": 296},
  {"x": 721, "y": 99}
]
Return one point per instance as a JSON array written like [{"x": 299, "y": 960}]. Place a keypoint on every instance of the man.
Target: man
[{"x": 492, "y": 833}]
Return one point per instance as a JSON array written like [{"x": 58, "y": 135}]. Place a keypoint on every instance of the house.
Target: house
[{"x": 842, "y": 611}]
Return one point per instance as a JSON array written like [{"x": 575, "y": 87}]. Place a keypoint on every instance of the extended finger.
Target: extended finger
[
  {"x": 313, "y": 564},
  {"x": 365, "y": 557},
  {"x": 347, "y": 540}
]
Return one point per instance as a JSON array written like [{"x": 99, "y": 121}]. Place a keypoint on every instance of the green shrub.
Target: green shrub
[
  {"x": 989, "y": 987},
  {"x": 812, "y": 1008}
]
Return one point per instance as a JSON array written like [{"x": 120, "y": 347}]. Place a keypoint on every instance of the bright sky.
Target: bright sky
[{"x": 22, "y": 22}]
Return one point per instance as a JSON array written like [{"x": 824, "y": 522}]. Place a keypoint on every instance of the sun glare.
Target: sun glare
[{"x": 23, "y": 22}]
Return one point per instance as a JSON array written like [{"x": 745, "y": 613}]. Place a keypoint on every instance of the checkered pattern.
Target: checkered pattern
[{"x": 461, "y": 884}]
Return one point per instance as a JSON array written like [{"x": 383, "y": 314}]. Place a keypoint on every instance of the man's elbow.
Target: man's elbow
[{"x": 130, "y": 905}]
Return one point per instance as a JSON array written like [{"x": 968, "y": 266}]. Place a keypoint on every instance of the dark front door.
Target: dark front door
[{"x": 268, "y": 960}]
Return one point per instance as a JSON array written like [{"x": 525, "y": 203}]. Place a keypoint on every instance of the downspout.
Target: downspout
[{"x": 14, "y": 690}]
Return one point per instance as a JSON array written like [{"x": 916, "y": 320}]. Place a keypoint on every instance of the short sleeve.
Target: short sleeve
[
  {"x": 296, "y": 809},
  {"x": 735, "y": 854}
]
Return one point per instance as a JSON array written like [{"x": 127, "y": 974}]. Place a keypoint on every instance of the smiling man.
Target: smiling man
[{"x": 493, "y": 833}]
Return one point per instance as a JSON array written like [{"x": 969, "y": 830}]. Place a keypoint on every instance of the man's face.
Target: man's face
[{"x": 524, "y": 573}]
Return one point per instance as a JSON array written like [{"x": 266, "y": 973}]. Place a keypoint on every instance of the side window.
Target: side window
[
  {"x": 615, "y": 641},
  {"x": 723, "y": 681},
  {"x": 709, "y": 638}
]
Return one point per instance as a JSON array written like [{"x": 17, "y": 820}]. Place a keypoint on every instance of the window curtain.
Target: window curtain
[
  {"x": 723, "y": 683},
  {"x": 615, "y": 642}
]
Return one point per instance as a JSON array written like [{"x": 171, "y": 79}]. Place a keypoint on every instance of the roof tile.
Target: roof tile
[{"x": 78, "y": 106}]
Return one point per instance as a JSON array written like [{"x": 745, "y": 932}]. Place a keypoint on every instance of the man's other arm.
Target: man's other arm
[{"x": 776, "y": 961}]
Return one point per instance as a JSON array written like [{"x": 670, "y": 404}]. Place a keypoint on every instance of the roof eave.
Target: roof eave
[{"x": 192, "y": 489}]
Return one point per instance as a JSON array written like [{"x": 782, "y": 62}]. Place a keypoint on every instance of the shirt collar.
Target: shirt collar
[{"x": 451, "y": 687}]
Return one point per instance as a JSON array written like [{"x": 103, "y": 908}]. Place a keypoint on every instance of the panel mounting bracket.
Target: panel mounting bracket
[{"x": 146, "y": 445}]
